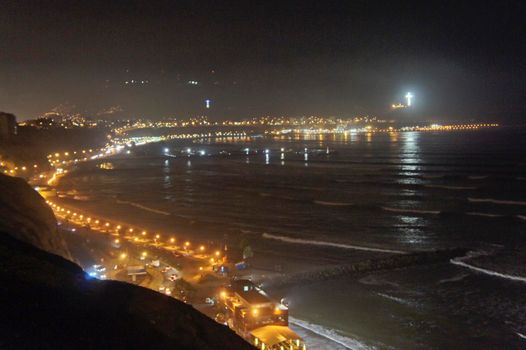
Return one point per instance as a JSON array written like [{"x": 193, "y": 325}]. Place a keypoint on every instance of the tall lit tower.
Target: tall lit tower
[{"x": 409, "y": 96}]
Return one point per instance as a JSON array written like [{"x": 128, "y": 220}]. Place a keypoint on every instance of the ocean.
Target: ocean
[{"x": 310, "y": 202}]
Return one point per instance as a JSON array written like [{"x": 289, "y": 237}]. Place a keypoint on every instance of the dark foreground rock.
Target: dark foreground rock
[
  {"x": 48, "y": 302},
  {"x": 25, "y": 215}
]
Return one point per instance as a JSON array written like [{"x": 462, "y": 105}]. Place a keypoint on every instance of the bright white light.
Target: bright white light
[
  {"x": 409, "y": 96},
  {"x": 166, "y": 150},
  {"x": 207, "y": 104}
]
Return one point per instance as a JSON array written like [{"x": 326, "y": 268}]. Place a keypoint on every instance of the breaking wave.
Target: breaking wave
[
  {"x": 376, "y": 281},
  {"x": 396, "y": 299},
  {"x": 481, "y": 177},
  {"x": 333, "y": 204},
  {"x": 412, "y": 211},
  {"x": 328, "y": 244},
  {"x": 522, "y": 217},
  {"x": 270, "y": 195},
  {"x": 485, "y": 215},
  {"x": 140, "y": 206},
  {"x": 495, "y": 201},
  {"x": 454, "y": 279},
  {"x": 330, "y": 334},
  {"x": 460, "y": 261},
  {"x": 452, "y": 187}
]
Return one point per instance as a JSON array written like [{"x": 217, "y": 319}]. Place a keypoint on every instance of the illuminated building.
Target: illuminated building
[{"x": 256, "y": 317}]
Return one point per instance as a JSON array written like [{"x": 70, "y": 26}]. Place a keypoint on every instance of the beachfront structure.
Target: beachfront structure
[
  {"x": 255, "y": 316},
  {"x": 276, "y": 338}
]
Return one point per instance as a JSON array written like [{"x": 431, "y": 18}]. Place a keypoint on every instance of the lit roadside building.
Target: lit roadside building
[{"x": 259, "y": 319}]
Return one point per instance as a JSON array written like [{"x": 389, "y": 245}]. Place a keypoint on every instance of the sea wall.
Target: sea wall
[{"x": 368, "y": 265}]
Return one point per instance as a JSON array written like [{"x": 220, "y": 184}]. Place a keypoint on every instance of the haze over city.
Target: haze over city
[{"x": 462, "y": 60}]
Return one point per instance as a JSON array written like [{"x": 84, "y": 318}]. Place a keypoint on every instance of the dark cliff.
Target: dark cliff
[
  {"x": 26, "y": 216},
  {"x": 49, "y": 302}
]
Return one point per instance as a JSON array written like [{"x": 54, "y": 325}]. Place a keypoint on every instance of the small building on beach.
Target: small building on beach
[{"x": 252, "y": 314}]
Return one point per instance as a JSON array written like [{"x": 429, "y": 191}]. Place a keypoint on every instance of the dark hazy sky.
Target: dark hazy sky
[{"x": 459, "y": 58}]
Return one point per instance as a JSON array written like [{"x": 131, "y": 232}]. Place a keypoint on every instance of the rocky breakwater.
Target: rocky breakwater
[{"x": 368, "y": 265}]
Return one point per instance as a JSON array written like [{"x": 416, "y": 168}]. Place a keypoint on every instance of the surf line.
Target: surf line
[
  {"x": 495, "y": 201},
  {"x": 137, "y": 205},
  {"x": 332, "y": 204},
  {"x": 346, "y": 342},
  {"x": 412, "y": 211},
  {"x": 329, "y": 244},
  {"x": 460, "y": 262}
]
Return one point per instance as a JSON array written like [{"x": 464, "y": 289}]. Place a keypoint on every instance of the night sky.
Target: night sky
[{"x": 461, "y": 59}]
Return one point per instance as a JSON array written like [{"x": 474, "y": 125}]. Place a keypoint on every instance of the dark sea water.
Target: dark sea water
[{"x": 367, "y": 195}]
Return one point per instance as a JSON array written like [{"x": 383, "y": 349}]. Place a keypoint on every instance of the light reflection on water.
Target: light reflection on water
[{"x": 340, "y": 198}]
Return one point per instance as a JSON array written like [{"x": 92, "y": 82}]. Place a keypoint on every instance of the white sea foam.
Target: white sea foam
[
  {"x": 328, "y": 244},
  {"x": 396, "y": 299},
  {"x": 330, "y": 334},
  {"x": 452, "y": 187},
  {"x": 485, "y": 215},
  {"x": 413, "y": 211},
  {"x": 496, "y": 201},
  {"x": 454, "y": 278},
  {"x": 522, "y": 217},
  {"x": 140, "y": 206},
  {"x": 333, "y": 204},
  {"x": 460, "y": 261},
  {"x": 521, "y": 335},
  {"x": 376, "y": 281}
]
